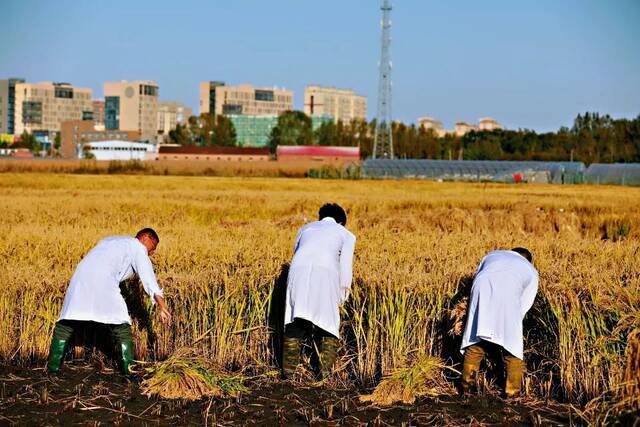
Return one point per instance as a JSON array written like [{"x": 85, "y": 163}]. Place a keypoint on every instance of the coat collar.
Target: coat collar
[{"x": 329, "y": 219}]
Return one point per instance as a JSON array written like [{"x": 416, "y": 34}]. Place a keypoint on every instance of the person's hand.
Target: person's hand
[
  {"x": 165, "y": 315},
  {"x": 163, "y": 311}
]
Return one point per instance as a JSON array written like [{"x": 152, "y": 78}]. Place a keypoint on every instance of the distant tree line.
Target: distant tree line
[
  {"x": 593, "y": 138},
  {"x": 205, "y": 130}
]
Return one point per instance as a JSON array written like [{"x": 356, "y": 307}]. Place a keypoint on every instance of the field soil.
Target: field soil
[{"x": 86, "y": 394}]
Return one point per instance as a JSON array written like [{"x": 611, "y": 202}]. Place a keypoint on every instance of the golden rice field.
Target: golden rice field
[{"x": 225, "y": 240}]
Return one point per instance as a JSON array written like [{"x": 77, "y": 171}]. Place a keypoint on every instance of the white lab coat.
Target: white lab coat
[
  {"x": 503, "y": 291},
  {"x": 320, "y": 274},
  {"x": 94, "y": 292}
]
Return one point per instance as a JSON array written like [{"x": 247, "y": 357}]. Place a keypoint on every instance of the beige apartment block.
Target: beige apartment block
[
  {"x": 488, "y": 124},
  {"x": 132, "y": 106},
  {"x": 44, "y": 106},
  {"x": 170, "y": 114},
  {"x": 429, "y": 123},
  {"x": 463, "y": 128},
  {"x": 341, "y": 104},
  {"x": 246, "y": 100}
]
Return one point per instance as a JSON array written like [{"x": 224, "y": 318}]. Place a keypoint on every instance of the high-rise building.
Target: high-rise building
[
  {"x": 341, "y": 104},
  {"x": 208, "y": 96},
  {"x": 170, "y": 114},
  {"x": 218, "y": 98},
  {"x": 42, "y": 107},
  {"x": 8, "y": 105},
  {"x": 132, "y": 106}
]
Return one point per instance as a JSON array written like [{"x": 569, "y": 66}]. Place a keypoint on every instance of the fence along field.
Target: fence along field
[{"x": 224, "y": 242}]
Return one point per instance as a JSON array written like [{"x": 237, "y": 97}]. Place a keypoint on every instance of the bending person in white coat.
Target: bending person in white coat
[
  {"x": 94, "y": 294},
  {"x": 318, "y": 283},
  {"x": 503, "y": 290}
]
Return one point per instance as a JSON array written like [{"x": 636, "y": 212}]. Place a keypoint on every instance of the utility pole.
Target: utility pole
[{"x": 383, "y": 139}]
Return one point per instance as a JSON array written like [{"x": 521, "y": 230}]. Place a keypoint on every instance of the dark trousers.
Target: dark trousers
[
  {"x": 65, "y": 329},
  {"x": 314, "y": 347}
]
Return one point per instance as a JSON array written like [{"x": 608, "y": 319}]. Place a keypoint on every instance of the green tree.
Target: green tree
[
  {"x": 292, "y": 128},
  {"x": 327, "y": 134},
  {"x": 180, "y": 135},
  {"x": 29, "y": 141},
  {"x": 223, "y": 131}
]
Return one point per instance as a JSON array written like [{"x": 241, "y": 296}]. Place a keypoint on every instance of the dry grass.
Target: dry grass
[
  {"x": 224, "y": 240},
  {"x": 260, "y": 168}
]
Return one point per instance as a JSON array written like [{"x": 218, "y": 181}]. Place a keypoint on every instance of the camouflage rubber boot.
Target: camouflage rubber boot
[
  {"x": 328, "y": 355},
  {"x": 290, "y": 357},
  {"x": 515, "y": 372},
  {"x": 473, "y": 356}
]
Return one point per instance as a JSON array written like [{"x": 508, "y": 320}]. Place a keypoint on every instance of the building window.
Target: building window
[
  {"x": 32, "y": 112},
  {"x": 231, "y": 109},
  {"x": 112, "y": 112},
  {"x": 63, "y": 92},
  {"x": 263, "y": 95}
]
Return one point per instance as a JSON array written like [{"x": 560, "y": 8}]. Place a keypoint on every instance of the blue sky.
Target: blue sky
[{"x": 529, "y": 64}]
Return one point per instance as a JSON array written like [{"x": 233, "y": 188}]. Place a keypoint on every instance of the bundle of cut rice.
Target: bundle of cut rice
[
  {"x": 189, "y": 375},
  {"x": 424, "y": 378},
  {"x": 458, "y": 317}
]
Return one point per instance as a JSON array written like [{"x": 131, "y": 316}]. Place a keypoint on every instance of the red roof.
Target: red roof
[
  {"x": 318, "y": 151},
  {"x": 213, "y": 150}
]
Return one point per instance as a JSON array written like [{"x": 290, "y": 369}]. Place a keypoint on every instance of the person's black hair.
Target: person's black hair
[
  {"x": 148, "y": 232},
  {"x": 524, "y": 252},
  {"x": 334, "y": 211}
]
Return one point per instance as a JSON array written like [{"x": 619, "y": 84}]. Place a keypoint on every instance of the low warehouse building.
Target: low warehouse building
[
  {"x": 320, "y": 153},
  {"x": 215, "y": 153}
]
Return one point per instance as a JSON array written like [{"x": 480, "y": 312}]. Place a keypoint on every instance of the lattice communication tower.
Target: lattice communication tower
[{"x": 383, "y": 140}]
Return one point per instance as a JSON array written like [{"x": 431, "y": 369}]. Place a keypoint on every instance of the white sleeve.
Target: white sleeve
[
  {"x": 346, "y": 265},
  {"x": 529, "y": 294},
  {"x": 143, "y": 267},
  {"x": 297, "y": 241}
]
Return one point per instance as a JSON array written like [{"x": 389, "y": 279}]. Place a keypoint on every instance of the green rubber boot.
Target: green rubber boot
[
  {"x": 62, "y": 333},
  {"x": 126, "y": 349},
  {"x": 56, "y": 354},
  {"x": 124, "y": 342}
]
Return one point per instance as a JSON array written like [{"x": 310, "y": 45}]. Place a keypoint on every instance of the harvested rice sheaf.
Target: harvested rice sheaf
[
  {"x": 458, "y": 317},
  {"x": 189, "y": 375},
  {"x": 425, "y": 377}
]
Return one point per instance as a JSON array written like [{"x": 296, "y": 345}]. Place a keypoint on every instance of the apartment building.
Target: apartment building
[
  {"x": 42, "y": 107},
  {"x": 132, "y": 106},
  {"x": 461, "y": 127},
  {"x": 488, "y": 124},
  {"x": 8, "y": 105},
  {"x": 429, "y": 123},
  {"x": 218, "y": 98},
  {"x": 341, "y": 104},
  {"x": 170, "y": 114}
]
